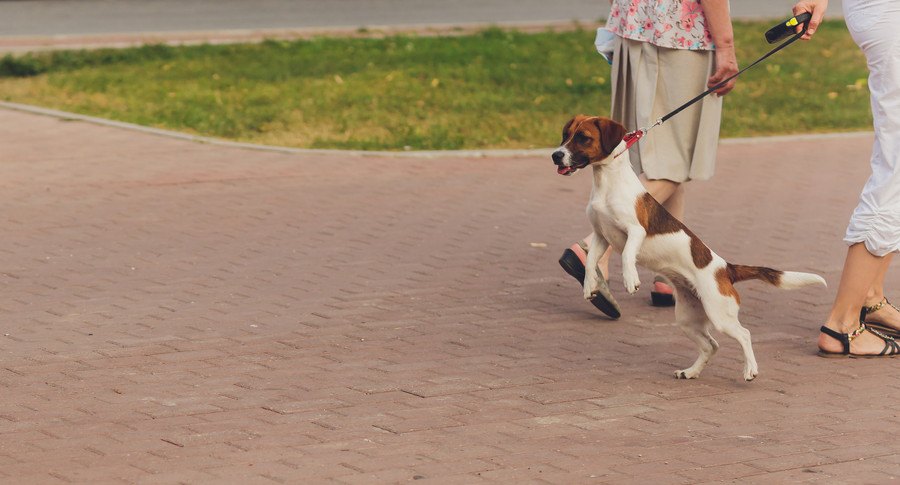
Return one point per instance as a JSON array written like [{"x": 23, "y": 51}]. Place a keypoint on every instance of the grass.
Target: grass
[{"x": 492, "y": 89}]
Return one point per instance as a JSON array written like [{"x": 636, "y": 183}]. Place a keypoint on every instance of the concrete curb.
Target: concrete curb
[{"x": 537, "y": 152}]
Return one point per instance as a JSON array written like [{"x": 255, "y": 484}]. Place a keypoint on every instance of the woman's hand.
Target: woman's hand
[
  {"x": 718, "y": 21},
  {"x": 726, "y": 66},
  {"x": 814, "y": 7}
]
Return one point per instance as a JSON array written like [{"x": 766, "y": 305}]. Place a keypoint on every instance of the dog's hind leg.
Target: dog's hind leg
[
  {"x": 723, "y": 313},
  {"x": 734, "y": 329},
  {"x": 692, "y": 319}
]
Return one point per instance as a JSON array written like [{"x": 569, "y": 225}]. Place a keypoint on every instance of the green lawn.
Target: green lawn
[{"x": 493, "y": 89}]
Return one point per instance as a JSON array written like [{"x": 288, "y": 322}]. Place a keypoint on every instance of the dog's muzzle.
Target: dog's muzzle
[{"x": 559, "y": 159}]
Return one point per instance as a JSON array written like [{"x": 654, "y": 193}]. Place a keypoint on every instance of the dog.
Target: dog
[{"x": 625, "y": 216}]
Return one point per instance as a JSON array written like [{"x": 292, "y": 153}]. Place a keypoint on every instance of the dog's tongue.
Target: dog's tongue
[{"x": 565, "y": 170}]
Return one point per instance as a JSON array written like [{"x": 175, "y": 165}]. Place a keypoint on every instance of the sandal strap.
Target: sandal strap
[
  {"x": 856, "y": 333},
  {"x": 874, "y": 308},
  {"x": 889, "y": 331},
  {"x": 890, "y": 343},
  {"x": 880, "y": 334},
  {"x": 843, "y": 338},
  {"x": 865, "y": 310},
  {"x": 846, "y": 338},
  {"x": 890, "y": 348}
]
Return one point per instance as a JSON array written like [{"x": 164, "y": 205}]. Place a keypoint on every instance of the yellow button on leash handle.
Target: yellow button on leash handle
[{"x": 786, "y": 28}]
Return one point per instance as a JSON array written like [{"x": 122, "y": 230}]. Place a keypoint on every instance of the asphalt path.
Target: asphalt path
[{"x": 35, "y": 18}]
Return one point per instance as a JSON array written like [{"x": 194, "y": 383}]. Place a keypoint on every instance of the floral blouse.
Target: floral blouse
[{"x": 676, "y": 24}]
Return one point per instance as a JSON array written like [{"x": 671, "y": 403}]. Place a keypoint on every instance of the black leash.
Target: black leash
[{"x": 773, "y": 35}]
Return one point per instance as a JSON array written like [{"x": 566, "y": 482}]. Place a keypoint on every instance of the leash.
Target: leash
[{"x": 776, "y": 33}]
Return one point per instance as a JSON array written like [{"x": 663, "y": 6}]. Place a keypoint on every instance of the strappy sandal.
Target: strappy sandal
[
  {"x": 891, "y": 347},
  {"x": 866, "y": 310},
  {"x": 573, "y": 265}
]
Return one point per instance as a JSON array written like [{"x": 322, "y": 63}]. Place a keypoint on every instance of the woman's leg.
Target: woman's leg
[
  {"x": 876, "y": 291},
  {"x": 861, "y": 268},
  {"x": 675, "y": 203},
  {"x": 874, "y": 227},
  {"x": 661, "y": 189}
]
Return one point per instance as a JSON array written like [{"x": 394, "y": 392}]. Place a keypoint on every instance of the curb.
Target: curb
[
  {"x": 536, "y": 152},
  {"x": 64, "y": 115}
]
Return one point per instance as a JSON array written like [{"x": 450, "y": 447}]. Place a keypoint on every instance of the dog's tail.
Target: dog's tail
[{"x": 788, "y": 280}]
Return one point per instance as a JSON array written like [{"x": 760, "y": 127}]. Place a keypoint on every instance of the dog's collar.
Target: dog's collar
[
  {"x": 621, "y": 151},
  {"x": 617, "y": 152}
]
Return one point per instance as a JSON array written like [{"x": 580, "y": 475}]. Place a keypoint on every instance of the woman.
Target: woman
[
  {"x": 874, "y": 230},
  {"x": 667, "y": 52}
]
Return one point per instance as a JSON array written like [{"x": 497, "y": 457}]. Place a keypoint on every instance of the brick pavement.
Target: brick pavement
[{"x": 179, "y": 312}]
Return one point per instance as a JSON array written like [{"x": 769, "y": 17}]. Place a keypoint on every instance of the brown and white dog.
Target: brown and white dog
[{"x": 625, "y": 216}]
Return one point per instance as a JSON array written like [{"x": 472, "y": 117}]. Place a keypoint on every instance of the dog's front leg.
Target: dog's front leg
[
  {"x": 636, "y": 235},
  {"x": 594, "y": 282}
]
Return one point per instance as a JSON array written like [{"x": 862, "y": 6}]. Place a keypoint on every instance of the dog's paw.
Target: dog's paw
[
  {"x": 591, "y": 288},
  {"x": 686, "y": 374},
  {"x": 632, "y": 282},
  {"x": 750, "y": 373}
]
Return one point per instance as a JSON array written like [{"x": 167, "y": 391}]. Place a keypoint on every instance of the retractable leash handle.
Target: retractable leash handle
[
  {"x": 778, "y": 32},
  {"x": 787, "y": 27}
]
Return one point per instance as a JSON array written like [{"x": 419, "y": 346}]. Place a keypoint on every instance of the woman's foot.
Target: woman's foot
[
  {"x": 883, "y": 313},
  {"x": 572, "y": 261},
  {"x": 860, "y": 341},
  {"x": 662, "y": 294}
]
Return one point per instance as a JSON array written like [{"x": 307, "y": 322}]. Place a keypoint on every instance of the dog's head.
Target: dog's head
[{"x": 586, "y": 140}]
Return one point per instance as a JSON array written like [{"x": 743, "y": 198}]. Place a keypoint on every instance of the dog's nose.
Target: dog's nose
[{"x": 558, "y": 156}]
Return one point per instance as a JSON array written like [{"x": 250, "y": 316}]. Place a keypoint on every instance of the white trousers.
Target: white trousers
[{"x": 875, "y": 27}]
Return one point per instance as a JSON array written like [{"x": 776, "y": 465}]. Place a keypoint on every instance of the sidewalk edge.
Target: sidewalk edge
[{"x": 492, "y": 153}]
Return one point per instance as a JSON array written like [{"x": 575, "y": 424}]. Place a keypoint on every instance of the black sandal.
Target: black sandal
[
  {"x": 891, "y": 347},
  {"x": 573, "y": 265},
  {"x": 893, "y": 332}
]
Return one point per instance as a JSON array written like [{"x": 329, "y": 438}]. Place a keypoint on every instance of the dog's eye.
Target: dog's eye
[{"x": 579, "y": 138}]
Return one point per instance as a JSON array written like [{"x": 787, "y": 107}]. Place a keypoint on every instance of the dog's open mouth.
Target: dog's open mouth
[{"x": 566, "y": 170}]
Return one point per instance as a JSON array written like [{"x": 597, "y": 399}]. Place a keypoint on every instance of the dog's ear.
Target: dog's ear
[
  {"x": 573, "y": 123},
  {"x": 611, "y": 134}
]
